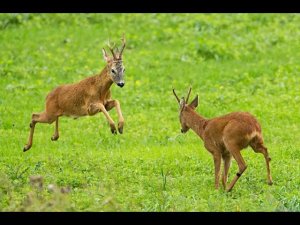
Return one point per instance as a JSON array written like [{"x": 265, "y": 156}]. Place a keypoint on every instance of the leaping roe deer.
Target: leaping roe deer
[
  {"x": 87, "y": 97},
  {"x": 224, "y": 137}
]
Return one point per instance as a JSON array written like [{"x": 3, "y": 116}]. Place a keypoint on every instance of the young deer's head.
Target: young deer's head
[
  {"x": 115, "y": 64},
  {"x": 184, "y": 109}
]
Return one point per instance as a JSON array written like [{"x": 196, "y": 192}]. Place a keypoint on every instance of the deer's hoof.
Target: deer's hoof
[
  {"x": 54, "y": 138},
  {"x": 26, "y": 148},
  {"x": 113, "y": 129},
  {"x": 120, "y": 127},
  {"x": 270, "y": 182},
  {"x": 228, "y": 189}
]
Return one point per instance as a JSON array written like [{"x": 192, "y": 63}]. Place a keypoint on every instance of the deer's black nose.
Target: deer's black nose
[
  {"x": 181, "y": 131},
  {"x": 121, "y": 84}
]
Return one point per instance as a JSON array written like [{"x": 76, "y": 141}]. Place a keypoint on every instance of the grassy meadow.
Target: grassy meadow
[{"x": 234, "y": 62}]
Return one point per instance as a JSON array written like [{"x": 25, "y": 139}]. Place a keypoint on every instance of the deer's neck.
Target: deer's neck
[
  {"x": 196, "y": 122},
  {"x": 104, "y": 81}
]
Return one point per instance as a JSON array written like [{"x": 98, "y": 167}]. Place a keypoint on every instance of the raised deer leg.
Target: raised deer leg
[
  {"x": 37, "y": 118},
  {"x": 115, "y": 103},
  {"x": 235, "y": 151},
  {"x": 227, "y": 162},
  {"x": 268, "y": 159},
  {"x": 93, "y": 109},
  {"x": 56, "y": 134},
  {"x": 96, "y": 107},
  {"x": 257, "y": 146}
]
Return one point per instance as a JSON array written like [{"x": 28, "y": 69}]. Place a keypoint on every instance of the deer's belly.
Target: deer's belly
[{"x": 76, "y": 113}]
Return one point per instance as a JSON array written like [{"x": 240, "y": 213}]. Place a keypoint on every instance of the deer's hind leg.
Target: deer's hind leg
[
  {"x": 234, "y": 149},
  {"x": 38, "y": 118},
  {"x": 257, "y": 145}
]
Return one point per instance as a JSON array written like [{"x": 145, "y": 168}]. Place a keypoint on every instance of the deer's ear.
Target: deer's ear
[
  {"x": 194, "y": 103},
  {"x": 105, "y": 56}
]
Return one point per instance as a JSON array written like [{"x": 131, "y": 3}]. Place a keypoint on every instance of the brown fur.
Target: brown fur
[
  {"x": 224, "y": 137},
  {"x": 87, "y": 97}
]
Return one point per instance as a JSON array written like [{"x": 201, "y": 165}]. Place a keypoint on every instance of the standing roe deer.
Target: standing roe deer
[
  {"x": 87, "y": 97},
  {"x": 224, "y": 137}
]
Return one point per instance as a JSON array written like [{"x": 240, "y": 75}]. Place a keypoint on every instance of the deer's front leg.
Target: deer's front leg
[
  {"x": 115, "y": 103},
  {"x": 100, "y": 107}
]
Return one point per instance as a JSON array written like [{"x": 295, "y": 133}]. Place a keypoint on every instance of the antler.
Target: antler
[
  {"x": 104, "y": 52},
  {"x": 187, "y": 97},
  {"x": 111, "y": 48},
  {"x": 176, "y": 95},
  {"x": 123, "y": 46}
]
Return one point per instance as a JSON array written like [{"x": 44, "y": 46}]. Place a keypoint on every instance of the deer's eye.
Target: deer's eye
[{"x": 113, "y": 71}]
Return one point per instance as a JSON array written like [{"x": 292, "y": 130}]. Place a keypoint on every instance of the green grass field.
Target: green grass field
[{"x": 234, "y": 62}]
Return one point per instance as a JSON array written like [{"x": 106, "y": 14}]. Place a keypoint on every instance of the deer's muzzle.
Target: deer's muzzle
[{"x": 121, "y": 84}]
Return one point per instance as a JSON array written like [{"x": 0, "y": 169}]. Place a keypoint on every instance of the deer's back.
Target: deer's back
[
  {"x": 74, "y": 99},
  {"x": 238, "y": 126}
]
